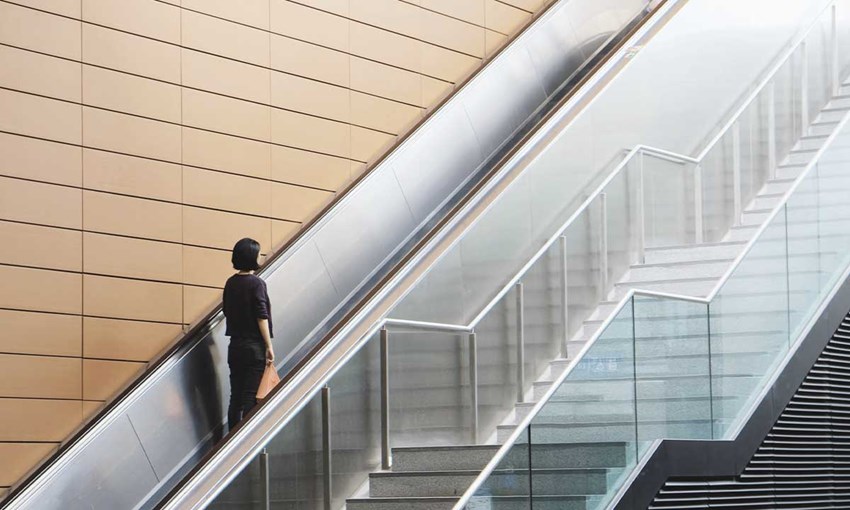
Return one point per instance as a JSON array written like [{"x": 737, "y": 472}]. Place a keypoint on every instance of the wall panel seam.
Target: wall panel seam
[
  {"x": 503, "y": 2},
  {"x": 377, "y": 27},
  {"x": 125, "y": 319},
  {"x": 107, "y": 27},
  {"x": 148, "y": 199},
  {"x": 409, "y": 2},
  {"x": 64, "y": 356},
  {"x": 112, "y": 275},
  {"x": 272, "y": 69}
]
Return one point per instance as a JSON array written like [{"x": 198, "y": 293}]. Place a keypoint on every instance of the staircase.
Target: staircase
[{"x": 579, "y": 469}]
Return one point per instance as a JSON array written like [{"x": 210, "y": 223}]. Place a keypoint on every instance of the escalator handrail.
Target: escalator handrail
[
  {"x": 526, "y": 421},
  {"x": 298, "y": 386}
]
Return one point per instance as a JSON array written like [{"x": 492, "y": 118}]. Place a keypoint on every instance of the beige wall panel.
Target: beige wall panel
[
  {"x": 311, "y": 133},
  {"x": 198, "y": 301},
  {"x": 38, "y": 420},
  {"x": 294, "y": 166},
  {"x": 126, "y": 340},
  {"x": 39, "y": 74},
  {"x": 131, "y": 94},
  {"x": 225, "y": 115},
  {"x": 495, "y": 41},
  {"x": 40, "y": 333},
  {"x": 376, "y": 44},
  {"x": 447, "y": 65},
  {"x": 34, "y": 202},
  {"x": 391, "y": 15},
  {"x": 357, "y": 169},
  {"x": 309, "y": 25},
  {"x": 35, "y": 246},
  {"x": 311, "y": 97},
  {"x": 120, "y": 298},
  {"x": 224, "y": 76},
  {"x": 131, "y": 135},
  {"x": 70, "y": 8},
  {"x": 38, "y": 116},
  {"x": 433, "y": 91},
  {"x": 215, "y": 229},
  {"x": 340, "y": 7},
  {"x": 308, "y": 60},
  {"x": 39, "y": 31},
  {"x": 282, "y": 231},
  {"x": 471, "y": 11},
  {"x": 382, "y": 114},
  {"x": 132, "y": 258},
  {"x": 103, "y": 212},
  {"x": 144, "y": 17},
  {"x": 102, "y": 379},
  {"x": 40, "y": 290},
  {"x": 249, "y": 12},
  {"x": 451, "y": 33},
  {"x": 40, "y": 377},
  {"x": 40, "y": 160},
  {"x": 206, "y": 267},
  {"x": 385, "y": 81},
  {"x": 297, "y": 204},
  {"x": 18, "y": 458},
  {"x": 366, "y": 145},
  {"x": 227, "y": 153},
  {"x": 528, "y": 5},
  {"x": 504, "y": 18},
  {"x": 130, "y": 53},
  {"x": 91, "y": 407},
  {"x": 225, "y": 38},
  {"x": 226, "y": 192},
  {"x": 129, "y": 175}
]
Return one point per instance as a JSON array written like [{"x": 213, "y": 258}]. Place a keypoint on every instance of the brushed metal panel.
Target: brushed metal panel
[
  {"x": 113, "y": 473},
  {"x": 178, "y": 418},
  {"x": 437, "y": 160},
  {"x": 555, "y": 50},
  {"x": 365, "y": 230},
  {"x": 513, "y": 94},
  {"x": 302, "y": 294}
]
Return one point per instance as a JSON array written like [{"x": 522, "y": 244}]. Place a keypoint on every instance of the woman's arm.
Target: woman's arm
[{"x": 264, "y": 331}]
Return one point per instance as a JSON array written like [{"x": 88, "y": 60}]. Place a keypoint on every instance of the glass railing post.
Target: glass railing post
[
  {"x": 473, "y": 384},
  {"x": 788, "y": 277},
  {"x": 603, "y": 240},
  {"x": 327, "y": 465},
  {"x": 698, "y": 205},
  {"x": 804, "y": 88},
  {"x": 520, "y": 343},
  {"x": 386, "y": 459},
  {"x": 264, "y": 480},
  {"x": 635, "y": 378},
  {"x": 771, "y": 129},
  {"x": 736, "y": 173},
  {"x": 710, "y": 371},
  {"x": 641, "y": 215},
  {"x": 835, "y": 69},
  {"x": 565, "y": 317}
]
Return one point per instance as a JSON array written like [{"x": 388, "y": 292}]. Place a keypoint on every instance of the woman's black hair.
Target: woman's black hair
[{"x": 245, "y": 255}]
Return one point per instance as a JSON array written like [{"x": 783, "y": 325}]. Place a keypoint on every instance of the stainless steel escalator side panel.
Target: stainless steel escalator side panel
[{"x": 176, "y": 412}]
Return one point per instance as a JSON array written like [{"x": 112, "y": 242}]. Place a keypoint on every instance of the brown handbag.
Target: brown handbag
[{"x": 267, "y": 382}]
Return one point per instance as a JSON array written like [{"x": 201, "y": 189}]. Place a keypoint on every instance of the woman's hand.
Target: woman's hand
[{"x": 269, "y": 354}]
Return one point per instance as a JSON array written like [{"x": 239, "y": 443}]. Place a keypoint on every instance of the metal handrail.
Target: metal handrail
[{"x": 526, "y": 421}]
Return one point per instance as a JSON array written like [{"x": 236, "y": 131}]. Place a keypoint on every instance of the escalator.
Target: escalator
[
  {"x": 158, "y": 428},
  {"x": 533, "y": 353}
]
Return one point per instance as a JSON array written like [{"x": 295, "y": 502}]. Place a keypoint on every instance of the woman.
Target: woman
[{"x": 249, "y": 325}]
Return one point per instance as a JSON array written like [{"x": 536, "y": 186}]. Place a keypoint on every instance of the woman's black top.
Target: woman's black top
[{"x": 246, "y": 299}]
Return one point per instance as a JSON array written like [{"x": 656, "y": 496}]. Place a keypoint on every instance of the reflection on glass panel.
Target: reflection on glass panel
[
  {"x": 429, "y": 394},
  {"x": 508, "y": 484},
  {"x": 584, "y": 437},
  {"x": 818, "y": 46},
  {"x": 833, "y": 220},
  {"x": 497, "y": 389},
  {"x": 668, "y": 199},
  {"x": 749, "y": 320},
  {"x": 717, "y": 190},
  {"x": 672, "y": 364},
  {"x": 583, "y": 269},
  {"x": 295, "y": 468},
  {"x": 355, "y": 410}
]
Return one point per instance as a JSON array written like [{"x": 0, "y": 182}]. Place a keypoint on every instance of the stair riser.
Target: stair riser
[
  {"x": 454, "y": 484},
  {"x": 696, "y": 270},
  {"x": 617, "y": 432},
  {"x": 702, "y": 253},
  {"x": 648, "y": 388}
]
